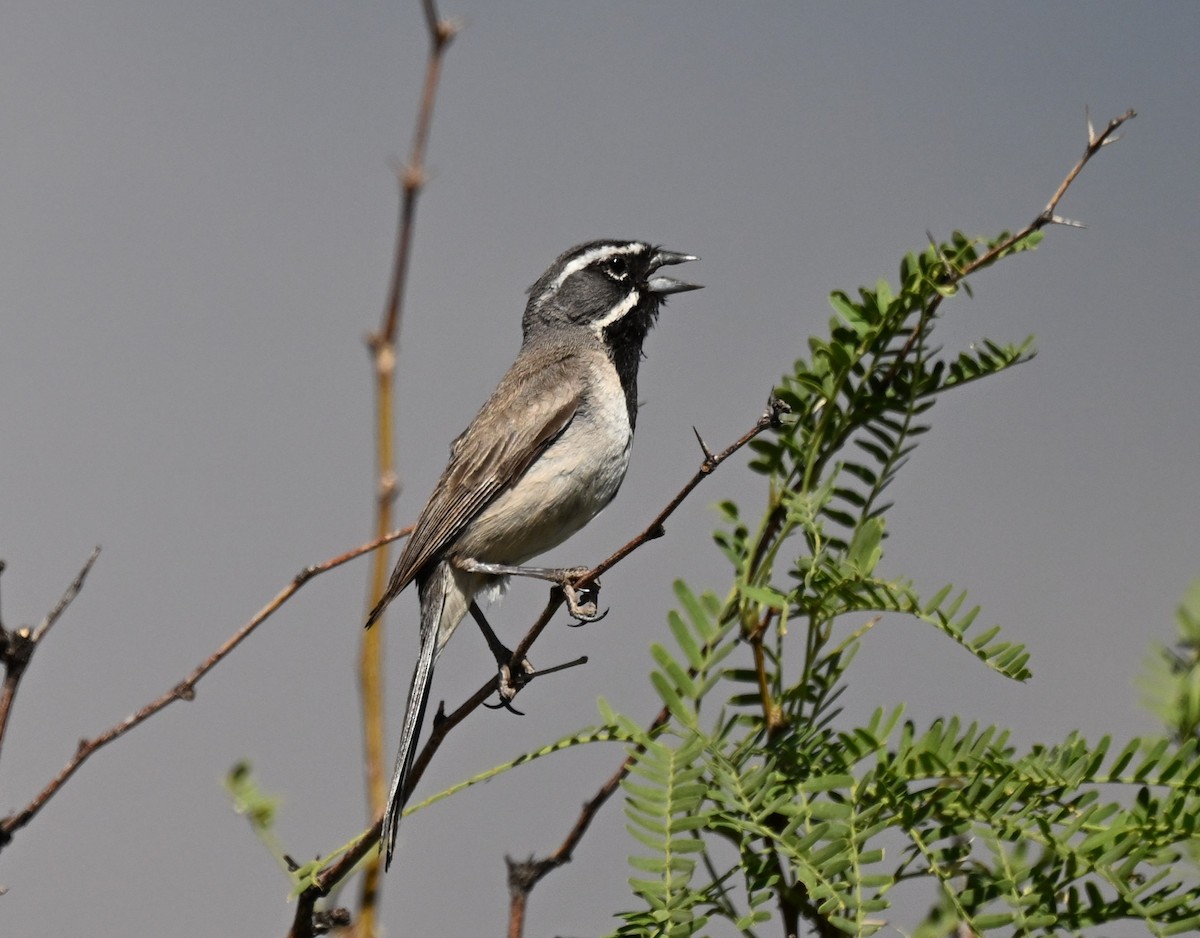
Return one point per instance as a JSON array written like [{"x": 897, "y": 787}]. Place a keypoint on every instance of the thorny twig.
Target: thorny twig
[
  {"x": 324, "y": 881},
  {"x": 184, "y": 690},
  {"x": 17, "y": 648},
  {"x": 1046, "y": 217},
  {"x": 524, "y": 875}
]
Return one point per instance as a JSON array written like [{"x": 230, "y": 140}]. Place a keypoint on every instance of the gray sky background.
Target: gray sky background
[{"x": 196, "y": 226}]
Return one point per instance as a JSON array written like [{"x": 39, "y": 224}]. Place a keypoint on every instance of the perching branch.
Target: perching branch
[
  {"x": 771, "y": 418},
  {"x": 334, "y": 873}
]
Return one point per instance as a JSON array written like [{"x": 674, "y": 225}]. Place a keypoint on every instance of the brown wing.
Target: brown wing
[{"x": 532, "y": 405}]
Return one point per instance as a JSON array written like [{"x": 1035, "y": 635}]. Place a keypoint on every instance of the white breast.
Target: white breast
[{"x": 572, "y": 481}]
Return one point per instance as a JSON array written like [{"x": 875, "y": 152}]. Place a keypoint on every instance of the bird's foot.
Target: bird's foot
[
  {"x": 581, "y": 602},
  {"x": 509, "y": 684}
]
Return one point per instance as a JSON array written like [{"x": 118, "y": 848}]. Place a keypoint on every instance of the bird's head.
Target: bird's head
[{"x": 611, "y": 288}]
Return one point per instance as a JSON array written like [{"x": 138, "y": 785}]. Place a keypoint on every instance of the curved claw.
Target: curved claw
[
  {"x": 587, "y": 620},
  {"x": 504, "y": 704}
]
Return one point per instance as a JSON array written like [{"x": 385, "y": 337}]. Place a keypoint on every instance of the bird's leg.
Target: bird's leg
[
  {"x": 507, "y": 685},
  {"x": 563, "y": 577}
]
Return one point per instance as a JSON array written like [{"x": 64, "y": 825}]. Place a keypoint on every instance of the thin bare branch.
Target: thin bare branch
[
  {"x": 184, "y": 690},
  {"x": 1046, "y": 217},
  {"x": 383, "y": 354},
  {"x": 523, "y": 875},
  {"x": 1095, "y": 143},
  {"x": 17, "y": 648},
  {"x": 656, "y": 528},
  {"x": 771, "y": 418},
  {"x": 412, "y": 174},
  {"x": 61, "y": 606}
]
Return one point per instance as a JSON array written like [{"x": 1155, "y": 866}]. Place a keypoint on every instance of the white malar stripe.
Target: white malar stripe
[
  {"x": 616, "y": 312},
  {"x": 583, "y": 260}
]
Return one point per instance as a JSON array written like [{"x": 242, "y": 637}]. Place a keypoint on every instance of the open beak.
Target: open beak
[{"x": 664, "y": 285}]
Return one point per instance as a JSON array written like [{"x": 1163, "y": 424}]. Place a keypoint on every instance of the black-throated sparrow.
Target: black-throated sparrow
[{"x": 542, "y": 457}]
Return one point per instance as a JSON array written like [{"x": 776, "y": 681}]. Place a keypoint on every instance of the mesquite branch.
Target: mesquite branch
[
  {"x": 184, "y": 690},
  {"x": 16, "y": 651},
  {"x": 524, "y": 875},
  {"x": 329, "y": 877}
]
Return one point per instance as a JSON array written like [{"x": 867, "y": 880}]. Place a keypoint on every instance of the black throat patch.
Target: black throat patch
[{"x": 623, "y": 340}]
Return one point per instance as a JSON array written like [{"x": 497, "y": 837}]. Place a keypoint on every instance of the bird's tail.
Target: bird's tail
[
  {"x": 414, "y": 716},
  {"x": 433, "y": 601}
]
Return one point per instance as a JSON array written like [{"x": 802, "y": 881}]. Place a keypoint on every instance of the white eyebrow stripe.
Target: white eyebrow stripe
[
  {"x": 583, "y": 260},
  {"x": 616, "y": 312}
]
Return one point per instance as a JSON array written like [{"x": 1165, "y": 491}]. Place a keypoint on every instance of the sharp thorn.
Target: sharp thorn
[{"x": 582, "y": 659}]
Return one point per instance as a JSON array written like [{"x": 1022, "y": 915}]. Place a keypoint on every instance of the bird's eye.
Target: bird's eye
[{"x": 616, "y": 268}]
